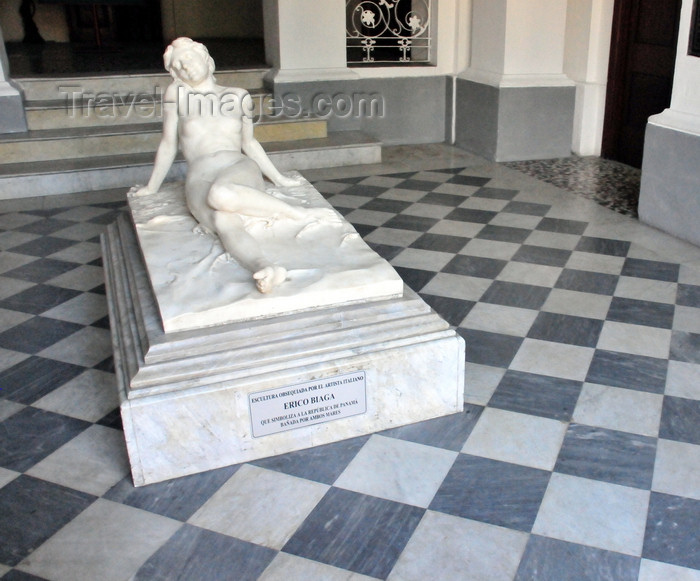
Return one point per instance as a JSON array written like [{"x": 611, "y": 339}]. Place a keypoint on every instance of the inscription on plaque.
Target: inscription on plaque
[{"x": 305, "y": 404}]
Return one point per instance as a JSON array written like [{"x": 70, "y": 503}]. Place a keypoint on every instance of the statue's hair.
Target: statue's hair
[{"x": 188, "y": 43}]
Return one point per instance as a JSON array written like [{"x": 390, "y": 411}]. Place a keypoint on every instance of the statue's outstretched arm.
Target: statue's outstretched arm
[
  {"x": 167, "y": 149},
  {"x": 252, "y": 148}
]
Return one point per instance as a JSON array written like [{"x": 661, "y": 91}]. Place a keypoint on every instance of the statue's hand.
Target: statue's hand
[
  {"x": 289, "y": 181},
  {"x": 137, "y": 191}
]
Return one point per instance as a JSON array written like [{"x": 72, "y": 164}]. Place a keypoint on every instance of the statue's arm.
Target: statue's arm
[
  {"x": 252, "y": 148},
  {"x": 167, "y": 149}
]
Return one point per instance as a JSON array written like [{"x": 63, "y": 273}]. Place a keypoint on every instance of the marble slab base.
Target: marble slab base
[
  {"x": 205, "y": 398},
  {"x": 197, "y": 284}
]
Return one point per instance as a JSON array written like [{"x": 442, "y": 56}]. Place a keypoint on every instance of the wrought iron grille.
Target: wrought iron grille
[{"x": 388, "y": 32}]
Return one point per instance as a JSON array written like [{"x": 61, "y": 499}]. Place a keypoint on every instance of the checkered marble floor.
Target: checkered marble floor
[{"x": 577, "y": 455}]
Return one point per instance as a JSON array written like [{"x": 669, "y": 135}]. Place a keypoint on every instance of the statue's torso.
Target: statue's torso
[{"x": 210, "y": 122}]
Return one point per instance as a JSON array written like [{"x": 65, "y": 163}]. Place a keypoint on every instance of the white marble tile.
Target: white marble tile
[
  {"x": 490, "y": 249},
  {"x": 4, "y": 569},
  {"x": 11, "y": 260},
  {"x": 9, "y": 358},
  {"x": 452, "y": 228},
  {"x": 397, "y": 470},
  {"x": 686, "y": 319},
  {"x": 87, "y": 347},
  {"x": 656, "y": 571},
  {"x": 683, "y": 380},
  {"x": 480, "y": 381},
  {"x": 107, "y": 541},
  {"x": 285, "y": 567},
  {"x": 526, "y": 273},
  {"x": 516, "y": 438},
  {"x": 456, "y": 189},
  {"x": 7, "y": 476},
  {"x": 593, "y": 513},
  {"x": 635, "y": 339},
  {"x": 368, "y": 217},
  {"x": 553, "y": 359},
  {"x": 82, "y": 253},
  {"x": 85, "y": 309},
  {"x": 92, "y": 462},
  {"x": 553, "y": 240},
  {"x": 500, "y": 319},
  {"x": 81, "y": 213},
  {"x": 11, "y": 286},
  {"x": 677, "y": 469},
  {"x": 489, "y": 204},
  {"x": 516, "y": 220},
  {"x": 348, "y": 201},
  {"x": 90, "y": 396},
  {"x": 402, "y": 195},
  {"x": 13, "y": 238},
  {"x": 9, "y": 319},
  {"x": 689, "y": 274},
  {"x": 580, "y": 304},
  {"x": 422, "y": 259},
  {"x": 620, "y": 409},
  {"x": 447, "y": 548},
  {"x": 596, "y": 262},
  {"x": 427, "y": 211},
  {"x": 236, "y": 508},
  {"x": 82, "y": 230},
  {"x": 393, "y": 236},
  {"x": 9, "y": 408},
  {"x": 645, "y": 289},
  {"x": 456, "y": 286},
  {"x": 82, "y": 278}
]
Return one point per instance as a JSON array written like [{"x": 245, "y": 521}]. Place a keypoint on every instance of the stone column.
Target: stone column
[
  {"x": 305, "y": 40},
  {"x": 12, "y": 118},
  {"x": 588, "y": 32},
  {"x": 514, "y": 100},
  {"x": 670, "y": 191}
]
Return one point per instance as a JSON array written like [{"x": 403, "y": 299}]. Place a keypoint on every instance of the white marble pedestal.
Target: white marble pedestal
[{"x": 205, "y": 398}]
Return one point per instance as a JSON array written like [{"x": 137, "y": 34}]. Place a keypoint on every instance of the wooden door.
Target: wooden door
[{"x": 640, "y": 74}]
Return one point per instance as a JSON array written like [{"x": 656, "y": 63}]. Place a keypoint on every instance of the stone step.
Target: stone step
[
  {"x": 57, "y": 144},
  {"x": 58, "y": 88},
  {"x": 103, "y": 109},
  {"x": 70, "y": 175}
]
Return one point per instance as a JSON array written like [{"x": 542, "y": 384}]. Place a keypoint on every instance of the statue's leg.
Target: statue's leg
[
  {"x": 241, "y": 189},
  {"x": 246, "y": 251},
  {"x": 229, "y": 226}
]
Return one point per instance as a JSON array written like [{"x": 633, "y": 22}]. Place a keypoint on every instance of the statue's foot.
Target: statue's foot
[{"x": 269, "y": 277}]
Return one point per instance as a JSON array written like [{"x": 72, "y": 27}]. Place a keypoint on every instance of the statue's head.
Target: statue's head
[{"x": 186, "y": 44}]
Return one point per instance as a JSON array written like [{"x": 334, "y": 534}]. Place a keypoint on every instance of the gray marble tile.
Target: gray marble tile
[
  {"x": 552, "y": 560},
  {"x": 200, "y": 554},
  {"x": 672, "y": 530},
  {"x": 31, "y": 511},
  {"x": 680, "y": 420},
  {"x": 353, "y": 531},
  {"x": 607, "y": 455},
  {"x": 511, "y": 499},
  {"x": 628, "y": 370},
  {"x": 538, "y": 395}
]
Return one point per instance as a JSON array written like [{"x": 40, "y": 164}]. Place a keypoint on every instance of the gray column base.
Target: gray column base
[
  {"x": 514, "y": 123},
  {"x": 12, "y": 118},
  {"x": 669, "y": 197}
]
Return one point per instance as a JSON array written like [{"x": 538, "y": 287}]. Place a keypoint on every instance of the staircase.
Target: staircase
[{"x": 94, "y": 133}]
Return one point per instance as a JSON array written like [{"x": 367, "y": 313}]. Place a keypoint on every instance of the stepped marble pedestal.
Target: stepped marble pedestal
[{"x": 206, "y": 397}]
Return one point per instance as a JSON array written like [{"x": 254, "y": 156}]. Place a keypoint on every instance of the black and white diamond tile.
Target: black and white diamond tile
[{"x": 577, "y": 454}]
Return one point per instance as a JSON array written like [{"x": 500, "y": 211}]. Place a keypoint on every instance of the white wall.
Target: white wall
[
  {"x": 586, "y": 55},
  {"x": 686, "y": 82}
]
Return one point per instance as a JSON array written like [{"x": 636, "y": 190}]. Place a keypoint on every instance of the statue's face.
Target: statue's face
[{"x": 189, "y": 66}]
